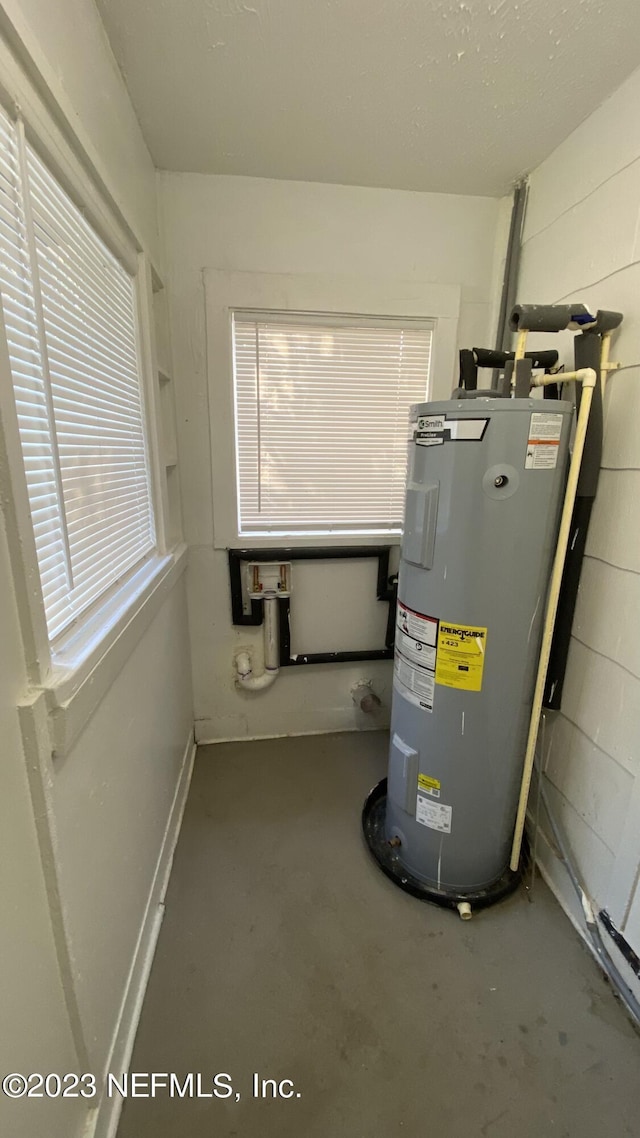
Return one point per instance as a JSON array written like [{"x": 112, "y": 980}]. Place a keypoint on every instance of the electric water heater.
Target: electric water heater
[{"x": 484, "y": 492}]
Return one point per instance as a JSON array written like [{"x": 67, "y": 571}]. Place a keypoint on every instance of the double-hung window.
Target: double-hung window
[
  {"x": 321, "y": 417},
  {"x": 69, "y": 309}
]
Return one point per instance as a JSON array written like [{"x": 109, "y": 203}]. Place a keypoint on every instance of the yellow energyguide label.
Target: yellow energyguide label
[{"x": 460, "y": 656}]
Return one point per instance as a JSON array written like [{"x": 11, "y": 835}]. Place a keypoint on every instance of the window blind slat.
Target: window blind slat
[
  {"x": 64, "y": 220},
  {"x": 67, "y": 298},
  {"x": 87, "y": 337},
  {"x": 16, "y": 288},
  {"x": 321, "y": 419}
]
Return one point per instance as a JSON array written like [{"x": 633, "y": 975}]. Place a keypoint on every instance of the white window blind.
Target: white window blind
[
  {"x": 70, "y": 319},
  {"x": 322, "y": 405}
]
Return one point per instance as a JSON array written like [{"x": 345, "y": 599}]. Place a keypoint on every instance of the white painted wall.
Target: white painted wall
[
  {"x": 261, "y": 226},
  {"x": 111, "y": 798},
  {"x": 86, "y": 839},
  {"x": 581, "y": 243},
  {"x": 36, "y": 1033}
]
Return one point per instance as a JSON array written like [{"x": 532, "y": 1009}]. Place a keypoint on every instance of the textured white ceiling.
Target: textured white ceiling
[{"x": 461, "y": 97}]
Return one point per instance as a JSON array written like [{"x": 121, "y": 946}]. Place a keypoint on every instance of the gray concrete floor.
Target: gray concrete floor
[{"x": 285, "y": 951}]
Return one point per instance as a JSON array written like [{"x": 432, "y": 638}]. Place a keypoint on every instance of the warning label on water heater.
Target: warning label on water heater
[
  {"x": 415, "y": 656},
  {"x": 435, "y": 815},
  {"x": 427, "y": 784},
  {"x": 543, "y": 444},
  {"x": 460, "y": 656}
]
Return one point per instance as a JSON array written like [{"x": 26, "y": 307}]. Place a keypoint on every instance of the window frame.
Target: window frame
[
  {"x": 62, "y": 666},
  {"x": 306, "y": 293},
  {"x": 332, "y": 321}
]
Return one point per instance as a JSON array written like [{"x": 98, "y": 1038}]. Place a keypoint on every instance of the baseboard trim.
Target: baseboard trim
[
  {"x": 103, "y": 1121},
  {"x": 292, "y": 735}
]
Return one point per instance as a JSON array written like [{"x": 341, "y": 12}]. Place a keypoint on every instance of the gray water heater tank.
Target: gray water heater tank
[{"x": 484, "y": 492}]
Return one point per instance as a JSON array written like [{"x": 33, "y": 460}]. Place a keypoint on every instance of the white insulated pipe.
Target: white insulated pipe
[
  {"x": 244, "y": 671},
  {"x": 521, "y": 344},
  {"x": 588, "y": 378},
  {"x": 559, "y": 377},
  {"x": 605, "y": 366}
]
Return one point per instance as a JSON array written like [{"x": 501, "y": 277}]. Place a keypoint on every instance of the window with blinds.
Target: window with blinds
[
  {"x": 321, "y": 407},
  {"x": 70, "y": 319}
]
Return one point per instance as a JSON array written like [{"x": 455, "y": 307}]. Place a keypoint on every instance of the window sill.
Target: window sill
[
  {"x": 274, "y": 540},
  {"x": 88, "y": 660}
]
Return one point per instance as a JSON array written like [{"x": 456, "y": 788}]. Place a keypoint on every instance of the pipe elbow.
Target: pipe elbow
[
  {"x": 258, "y": 683},
  {"x": 587, "y": 376}
]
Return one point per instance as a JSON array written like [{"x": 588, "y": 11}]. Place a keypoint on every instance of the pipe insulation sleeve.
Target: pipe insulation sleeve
[{"x": 549, "y": 317}]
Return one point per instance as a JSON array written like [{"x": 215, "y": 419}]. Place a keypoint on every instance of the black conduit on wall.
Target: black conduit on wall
[
  {"x": 587, "y": 348},
  {"x": 386, "y": 591}
]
